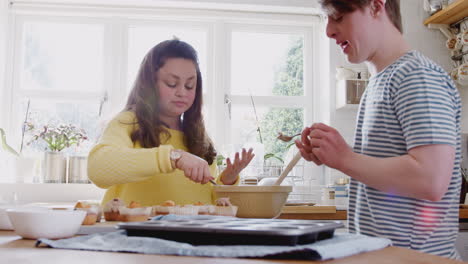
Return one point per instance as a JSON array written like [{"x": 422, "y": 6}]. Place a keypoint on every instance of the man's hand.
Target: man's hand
[
  {"x": 305, "y": 147},
  {"x": 328, "y": 146}
]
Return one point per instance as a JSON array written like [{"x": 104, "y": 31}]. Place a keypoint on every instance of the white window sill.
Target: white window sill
[{"x": 49, "y": 193}]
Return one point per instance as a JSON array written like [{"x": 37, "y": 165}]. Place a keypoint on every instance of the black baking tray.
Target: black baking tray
[{"x": 235, "y": 231}]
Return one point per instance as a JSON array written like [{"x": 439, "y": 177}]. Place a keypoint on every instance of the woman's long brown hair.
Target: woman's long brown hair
[{"x": 144, "y": 102}]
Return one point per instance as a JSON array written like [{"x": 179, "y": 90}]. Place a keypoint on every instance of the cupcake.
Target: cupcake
[
  {"x": 111, "y": 209},
  {"x": 163, "y": 209},
  {"x": 183, "y": 210},
  {"x": 204, "y": 209},
  {"x": 134, "y": 212},
  {"x": 91, "y": 212},
  {"x": 224, "y": 207}
]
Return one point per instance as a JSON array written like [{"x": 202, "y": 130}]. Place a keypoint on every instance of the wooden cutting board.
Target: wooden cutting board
[{"x": 308, "y": 210}]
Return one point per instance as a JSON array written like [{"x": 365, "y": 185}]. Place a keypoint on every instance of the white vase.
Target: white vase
[
  {"x": 25, "y": 168},
  {"x": 77, "y": 169},
  {"x": 55, "y": 167}
]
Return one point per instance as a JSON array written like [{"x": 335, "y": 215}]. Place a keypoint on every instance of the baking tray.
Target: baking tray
[{"x": 235, "y": 231}]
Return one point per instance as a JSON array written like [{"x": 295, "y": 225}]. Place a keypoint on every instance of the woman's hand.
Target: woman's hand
[
  {"x": 194, "y": 167},
  {"x": 229, "y": 175}
]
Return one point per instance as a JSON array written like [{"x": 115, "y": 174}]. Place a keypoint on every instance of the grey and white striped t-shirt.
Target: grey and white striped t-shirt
[{"x": 410, "y": 103}]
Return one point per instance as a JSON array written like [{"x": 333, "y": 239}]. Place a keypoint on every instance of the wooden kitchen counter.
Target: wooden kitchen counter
[
  {"x": 315, "y": 212},
  {"x": 15, "y": 250},
  {"x": 320, "y": 212}
]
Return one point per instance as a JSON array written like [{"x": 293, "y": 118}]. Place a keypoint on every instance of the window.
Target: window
[
  {"x": 60, "y": 77},
  {"x": 80, "y": 67},
  {"x": 141, "y": 38},
  {"x": 265, "y": 91}
]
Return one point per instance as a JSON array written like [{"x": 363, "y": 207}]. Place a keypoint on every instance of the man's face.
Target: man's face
[{"x": 354, "y": 32}]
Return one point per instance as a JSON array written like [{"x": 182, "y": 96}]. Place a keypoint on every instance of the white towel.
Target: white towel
[{"x": 340, "y": 245}]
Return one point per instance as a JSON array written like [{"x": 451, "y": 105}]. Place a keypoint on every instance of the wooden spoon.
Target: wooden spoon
[{"x": 288, "y": 168}]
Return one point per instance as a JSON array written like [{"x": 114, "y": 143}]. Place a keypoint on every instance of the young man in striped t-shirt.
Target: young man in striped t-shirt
[{"x": 405, "y": 165}]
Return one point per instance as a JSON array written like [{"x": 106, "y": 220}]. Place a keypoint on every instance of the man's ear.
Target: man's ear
[{"x": 377, "y": 6}]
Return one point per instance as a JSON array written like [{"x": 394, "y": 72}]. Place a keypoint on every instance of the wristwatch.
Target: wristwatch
[{"x": 174, "y": 156}]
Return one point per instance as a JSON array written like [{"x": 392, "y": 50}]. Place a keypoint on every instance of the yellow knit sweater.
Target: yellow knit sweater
[{"x": 145, "y": 175}]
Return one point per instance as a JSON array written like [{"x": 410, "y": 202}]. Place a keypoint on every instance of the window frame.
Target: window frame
[{"x": 222, "y": 137}]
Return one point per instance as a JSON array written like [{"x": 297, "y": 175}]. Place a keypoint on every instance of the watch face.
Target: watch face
[{"x": 175, "y": 155}]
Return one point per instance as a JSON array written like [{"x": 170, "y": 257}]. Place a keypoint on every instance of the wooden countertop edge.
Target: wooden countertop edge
[
  {"x": 463, "y": 213},
  {"x": 309, "y": 209},
  {"x": 330, "y": 213}
]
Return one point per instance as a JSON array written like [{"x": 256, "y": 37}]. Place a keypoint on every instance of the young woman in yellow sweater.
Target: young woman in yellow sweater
[{"x": 157, "y": 149}]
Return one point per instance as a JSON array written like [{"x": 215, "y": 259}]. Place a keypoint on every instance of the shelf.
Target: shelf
[{"x": 449, "y": 15}]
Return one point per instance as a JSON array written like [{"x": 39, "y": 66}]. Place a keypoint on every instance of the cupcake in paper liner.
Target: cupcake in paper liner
[
  {"x": 184, "y": 210},
  {"x": 204, "y": 209},
  {"x": 111, "y": 209},
  {"x": 225, "y": 207},
  {"x": 223, "y": 201},
  {"x": 160, "y": 210},
  {"x": 163, "y": 209},
  {"x": 225, "y": 210},
  {"x": 134, "y": 213},
  {"x": 92, "y": 212}
]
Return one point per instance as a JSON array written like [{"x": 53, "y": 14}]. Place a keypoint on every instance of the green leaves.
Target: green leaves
[
  {"x": 220, "y": 160},
  {"x": 5, "y": 145},
  {"x": 290, "y": 121},
  {"x": 60, "y": 137},
  {"x": 272, "y": 155}
]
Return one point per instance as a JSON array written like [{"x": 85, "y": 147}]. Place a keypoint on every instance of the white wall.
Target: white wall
[
  {"x": 3, "y": 37},
  {"x": 430, "y": 42}
]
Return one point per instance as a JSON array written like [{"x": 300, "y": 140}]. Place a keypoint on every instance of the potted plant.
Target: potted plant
[{"x": 55, "y": 139}]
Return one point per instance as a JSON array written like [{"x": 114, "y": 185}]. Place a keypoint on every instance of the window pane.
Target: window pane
[
  {"x": 64, "y": 57},
  {"x": 142, "y": 39},
  {"x": 82, "y": 115},
  {"x": 267, "y": 64},
  {"x": 271, "y": 120}
]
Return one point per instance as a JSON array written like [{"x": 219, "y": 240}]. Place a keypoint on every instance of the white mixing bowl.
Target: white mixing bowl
[
  {"x": 34, "y": 223},
  {"x": 5, "y": 223}
]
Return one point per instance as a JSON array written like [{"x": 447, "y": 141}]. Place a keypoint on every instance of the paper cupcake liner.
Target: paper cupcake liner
[
  {"x": 183, "y": 210},
  {"x": 123, "y": 210},
  {"x": 160, "y": 210},
  {"x": 205, "y": 209},
  {"x": 112, "y": 216},
  {"x": 226, "y": 210},
  {"x": 90, "y": 219}
]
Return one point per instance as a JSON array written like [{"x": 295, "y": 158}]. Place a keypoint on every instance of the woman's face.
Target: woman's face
[{"x": 177, "y": 81}]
